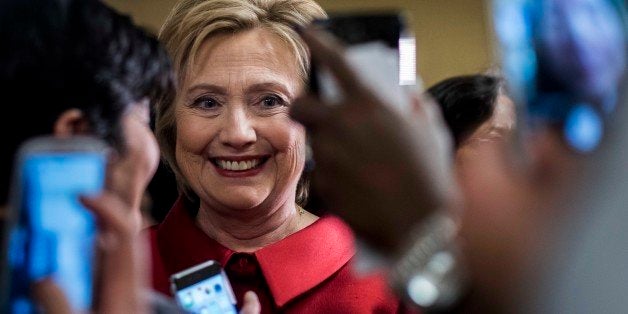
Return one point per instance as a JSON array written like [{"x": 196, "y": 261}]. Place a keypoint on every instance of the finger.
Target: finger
[
  {"x": 417, "y": 106},
  {"x": 50, "y": 297},
  {"x": 330, "y": 147},
  {"x": 326, "y": 51},
  {"x": 310, "y": 111},
  {"x": 109, "y": 212},
  {"x": 251, "y": 304},
  {"x": 433, "y": 110},
  {"x": 427, "y": 108}
]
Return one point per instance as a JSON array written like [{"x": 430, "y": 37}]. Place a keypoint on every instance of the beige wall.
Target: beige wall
[{"x": 451, "y": 35}]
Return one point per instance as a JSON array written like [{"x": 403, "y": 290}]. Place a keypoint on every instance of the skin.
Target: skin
[
  {"x": 129, "y": 174},
  {"x": 234, "y": 104}
]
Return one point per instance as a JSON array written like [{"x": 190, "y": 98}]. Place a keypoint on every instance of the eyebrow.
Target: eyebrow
[
  {"x": 207, "y": 87},
  {"x": 259, "y": 87}
]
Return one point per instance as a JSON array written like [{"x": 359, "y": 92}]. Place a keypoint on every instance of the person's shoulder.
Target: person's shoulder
[
  {"x": 334, "y": 222},
  {"x": 370, "y": 292}
]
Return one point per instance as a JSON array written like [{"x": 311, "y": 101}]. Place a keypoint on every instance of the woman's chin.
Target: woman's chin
[{"x": 241, "y": 202}]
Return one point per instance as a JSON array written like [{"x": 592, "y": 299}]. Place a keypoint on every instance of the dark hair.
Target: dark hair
[
  {"x": 58, "y": 55},
  {"x": 466, "y": 102}
]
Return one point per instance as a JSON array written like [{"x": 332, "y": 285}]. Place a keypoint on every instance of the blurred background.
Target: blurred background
[{"x": 453, "y": 36}]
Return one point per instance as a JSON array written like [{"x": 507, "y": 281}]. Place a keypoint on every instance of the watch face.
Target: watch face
[
  {"x": 422, "y": 291},
  {"x": 564, "y": 61}
]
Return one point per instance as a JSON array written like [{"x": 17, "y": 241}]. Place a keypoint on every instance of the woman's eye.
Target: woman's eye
[
  {"x": 273, "y": 101},
  {"x": 205, "y": 103}
]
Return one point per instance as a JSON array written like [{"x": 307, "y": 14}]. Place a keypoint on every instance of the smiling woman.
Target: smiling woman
[
  {"x": 233, "y": 114},
  {"x": 239, "y": 158}
]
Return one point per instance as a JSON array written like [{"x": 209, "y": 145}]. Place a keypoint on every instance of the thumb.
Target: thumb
[{"x": 251, "y": 304}]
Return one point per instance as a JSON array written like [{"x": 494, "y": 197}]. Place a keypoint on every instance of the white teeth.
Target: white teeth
[{"x": 238, "y": 166}]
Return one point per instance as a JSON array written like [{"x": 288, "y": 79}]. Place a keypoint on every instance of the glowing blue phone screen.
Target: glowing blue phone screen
[
  {"x": 55, "y": 233},
  {"x": 206, "y": 297}
]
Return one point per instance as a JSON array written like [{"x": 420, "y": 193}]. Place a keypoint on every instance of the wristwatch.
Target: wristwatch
[{"x": 430, "y": 272}]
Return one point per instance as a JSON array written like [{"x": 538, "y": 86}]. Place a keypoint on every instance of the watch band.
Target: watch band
[{"x": 430, "y": 272}]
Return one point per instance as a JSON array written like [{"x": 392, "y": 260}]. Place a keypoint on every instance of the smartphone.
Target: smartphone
[
  {"x": 203, "y": 288},
  {"x": 381, "y": 49},
  {"x": 564, "y": 62},
  {"x": 52, "y": 235}
]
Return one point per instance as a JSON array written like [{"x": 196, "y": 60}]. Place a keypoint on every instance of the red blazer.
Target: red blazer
[{"x": 307, "y": 272}]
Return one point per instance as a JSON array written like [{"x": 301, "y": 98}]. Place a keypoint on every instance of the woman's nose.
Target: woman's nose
[{"x": 237, "y": 131}]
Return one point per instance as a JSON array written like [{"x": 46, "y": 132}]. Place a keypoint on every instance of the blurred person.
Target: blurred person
[
  {"x": 78, "y": 67},
  {"x": 239, "y": 158},
  {"x": 571, "y": 80},
  {"x": 510, "y": 209},
  {"x": 403, "y": 175},
  {"x": 107, "y": 95},
  {"x": 475, "y": 108}
]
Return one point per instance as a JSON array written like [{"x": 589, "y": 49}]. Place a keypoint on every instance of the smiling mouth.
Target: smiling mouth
[{"x": 239, "y": 165}]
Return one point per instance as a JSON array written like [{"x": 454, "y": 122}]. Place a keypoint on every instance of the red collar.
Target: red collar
[{"x": 291, "y": 266}]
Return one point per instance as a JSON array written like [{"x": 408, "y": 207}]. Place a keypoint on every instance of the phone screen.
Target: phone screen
[
  {"x": 382, "y": 51},
  {"x": 204, "y": 289},
  {"x": 564, "y": 61},
  {"x": 54, "y": 234}
]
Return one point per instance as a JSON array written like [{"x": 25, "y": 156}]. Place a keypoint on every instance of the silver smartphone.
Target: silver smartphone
[
  {"x": 203, "y": 288},
  {"x": 51, "y": 233}
]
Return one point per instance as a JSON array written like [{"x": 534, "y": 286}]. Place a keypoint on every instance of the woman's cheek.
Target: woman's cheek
[{"x": 193, "y": 134}]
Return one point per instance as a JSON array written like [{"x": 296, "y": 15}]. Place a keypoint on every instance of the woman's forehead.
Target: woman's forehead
[{"x": 255, "y": 56}]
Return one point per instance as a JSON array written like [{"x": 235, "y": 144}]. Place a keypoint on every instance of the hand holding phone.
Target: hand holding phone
[
  {"x": 380, "y": 49},
  {"x": 53, "y": 234},
  {"x": 204, "y": 288},
  {"x": 373, "y": 158}
]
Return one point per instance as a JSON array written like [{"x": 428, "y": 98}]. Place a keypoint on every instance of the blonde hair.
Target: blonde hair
[{"x": 192, "y": 22}]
